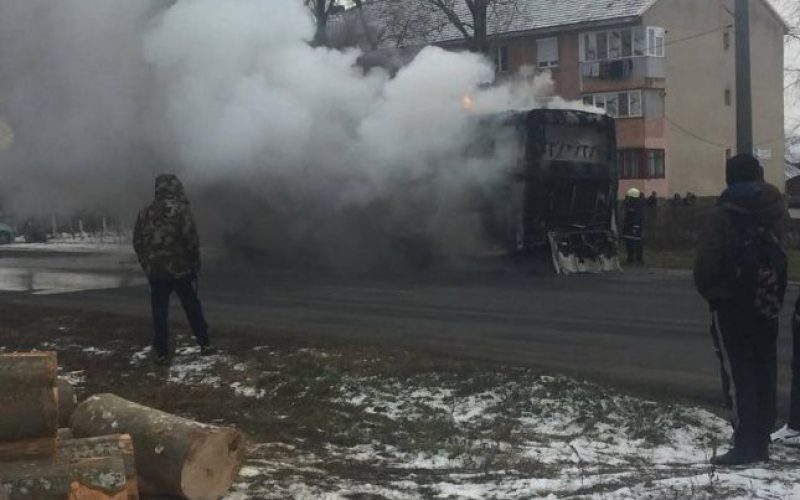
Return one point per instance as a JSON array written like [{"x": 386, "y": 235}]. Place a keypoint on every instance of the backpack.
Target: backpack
[{"x": 759, "y": 267}]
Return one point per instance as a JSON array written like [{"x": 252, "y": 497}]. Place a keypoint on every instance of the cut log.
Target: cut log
[
  {"x": 73, "y": 450},
  {"x": 65, "y": 433},
  {"x": 67, "y": 401},
  {"x": 174, "y": 456},
  {"x": 26, "y": 449},
  {"x": 28, "y": 396},
  {"x": 28, "y": 369},
  {"x": 48, "y": 479}
]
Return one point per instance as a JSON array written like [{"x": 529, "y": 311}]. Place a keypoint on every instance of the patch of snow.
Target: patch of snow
[
  {"x": 63, "y": 346},
  {"x": 75, "y": 378},
  {"x": 248, "y": 392},
  {"x": 141, "y": 356}
]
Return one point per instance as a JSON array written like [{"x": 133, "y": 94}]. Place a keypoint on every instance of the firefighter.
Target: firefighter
[
  {"x": 633, "y": 226},
  {"x": 740, "y": 270},
  {"x": 167, "y": 246}
]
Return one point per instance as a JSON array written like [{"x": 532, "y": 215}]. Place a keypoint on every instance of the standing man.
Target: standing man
[
  {"x": 167, "y": 246},
  {"x": 791, "y": 431},
  {"x": 740, "y": 270},
  {"x": 633, "y": 226}
]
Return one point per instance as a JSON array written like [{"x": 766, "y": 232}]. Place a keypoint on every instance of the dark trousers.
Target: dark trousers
[
  {"x": 160, "y": 291},
  {"x": 746, "y": 347},
  {"x": 635, "y": 250},
  {"x": 794, "y": 406}
]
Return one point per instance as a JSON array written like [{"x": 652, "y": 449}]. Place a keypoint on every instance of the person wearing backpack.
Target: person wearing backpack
[{"x": 741, "y": 271}]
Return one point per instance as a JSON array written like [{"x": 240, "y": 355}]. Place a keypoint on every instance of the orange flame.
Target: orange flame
[{"x": 467, "y": 103}]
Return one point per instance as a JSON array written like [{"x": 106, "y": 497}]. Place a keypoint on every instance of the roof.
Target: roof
[
  {"x": 404, "y": 23},
  {"x": 792, "y": 170},
  {"x": 409, "y": 23}
]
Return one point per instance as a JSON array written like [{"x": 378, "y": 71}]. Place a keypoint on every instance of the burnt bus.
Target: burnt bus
[{"x": 559, "y": 196}]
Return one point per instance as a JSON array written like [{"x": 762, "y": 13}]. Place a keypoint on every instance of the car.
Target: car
[{"x": 7, "y": 234}]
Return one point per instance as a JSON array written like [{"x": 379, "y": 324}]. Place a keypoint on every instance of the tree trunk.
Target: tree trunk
[
  {"x": 28, "y": 369},
  {"x": 321, "y": 20},
  {"x": 29, "y": 415},
  {"x": 174, "y": 455},
  {"x": 480, "y": 37},
  {"x": 26, "y": 449},
  {"x": 104, "y": 446},
  {"x": 67, "y": 401},
  {"x": 47, "y": 479}
]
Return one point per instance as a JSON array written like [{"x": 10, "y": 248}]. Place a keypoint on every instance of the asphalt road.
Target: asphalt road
[{"x": 643, "y": 330}]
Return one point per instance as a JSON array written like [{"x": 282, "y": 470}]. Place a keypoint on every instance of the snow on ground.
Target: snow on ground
[
  {"x": 561, "y": 438},
  {"x": 111, "y": 242},
  {"x": 60, "y": 345},
  {"x": 474, "y": 434},
  {"x": 191, "y": 369}
]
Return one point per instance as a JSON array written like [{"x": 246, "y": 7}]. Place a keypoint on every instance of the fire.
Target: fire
[{"x": 467, "y": 102}]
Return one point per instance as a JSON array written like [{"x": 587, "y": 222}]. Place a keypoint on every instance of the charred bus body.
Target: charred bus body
[{"x": 560, "y": 193}]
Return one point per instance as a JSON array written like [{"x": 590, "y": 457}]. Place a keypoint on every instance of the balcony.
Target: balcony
[{"x": 628, "y": 72}]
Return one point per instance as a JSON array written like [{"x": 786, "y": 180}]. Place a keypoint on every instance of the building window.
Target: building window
[
  {"x": 547, "y": 53},
  {"x": 726, "y": 40},
  {"x": 629, "y": 161},
  {"x": 501, "y": 59},
  {"x": 622, "y": 43},
  {"x": 655, "y": 41},
  {"x": 627, "y": 104},
  {"x": 641, "y": 163},
  {"x": 655, "y": 164},
  {"x": 728, "y": 97}
]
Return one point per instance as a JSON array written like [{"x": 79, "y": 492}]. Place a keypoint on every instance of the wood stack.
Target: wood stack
[
  {"x": 114, "y": 449},
  {"x": 34, "y": 463}
]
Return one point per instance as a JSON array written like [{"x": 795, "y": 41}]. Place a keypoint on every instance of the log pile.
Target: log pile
[{"x": 105, "y": 448}]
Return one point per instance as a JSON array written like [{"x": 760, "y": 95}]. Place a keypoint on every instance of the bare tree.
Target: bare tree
[
  {"x": 322, "y": 10},
  {"x": 791, "y": 11},
  {"x": 386, "y": 25},
  {"x": 472, "y": 18}
]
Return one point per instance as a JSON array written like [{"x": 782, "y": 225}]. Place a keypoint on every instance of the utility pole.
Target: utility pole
[{"x": 744, "y": 97}]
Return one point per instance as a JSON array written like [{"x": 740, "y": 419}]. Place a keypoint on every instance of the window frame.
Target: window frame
[
  {"x": 656, "y": 41},
  {"x": 502, "y": 59},
  {"x": 656, "y": 170},
  {"x": 600, "y": 100},
  {"x": 641, "y": 163},
  {"x": 640, "y": 41},
  {"x": 551, "y": 63}
]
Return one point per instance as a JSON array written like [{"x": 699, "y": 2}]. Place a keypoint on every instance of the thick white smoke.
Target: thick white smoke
[{"x": 279, "y": 142}]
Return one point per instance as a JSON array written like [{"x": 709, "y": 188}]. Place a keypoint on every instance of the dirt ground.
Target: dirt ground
[{"x": 328, "y": 419}]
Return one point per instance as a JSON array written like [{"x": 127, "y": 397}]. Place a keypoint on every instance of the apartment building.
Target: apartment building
[{"x": 663, "y": 68}]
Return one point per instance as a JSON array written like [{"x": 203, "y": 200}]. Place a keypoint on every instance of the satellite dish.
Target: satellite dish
[{"x": 6, "y": 135}]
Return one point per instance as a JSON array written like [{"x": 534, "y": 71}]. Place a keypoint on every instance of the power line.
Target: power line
[
  {"x": 694, "y": 135},
  {"x": 710, "y": 142},
  {"x": 698, "y": 35}
]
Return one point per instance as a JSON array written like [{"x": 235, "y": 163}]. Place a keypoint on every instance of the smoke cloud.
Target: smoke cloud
[{"x": 285, "y": 148}]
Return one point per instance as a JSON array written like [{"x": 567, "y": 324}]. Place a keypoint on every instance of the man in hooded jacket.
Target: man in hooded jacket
[
  {"x": 744, "y": 335},
  {"x": 167, "y": 246}
]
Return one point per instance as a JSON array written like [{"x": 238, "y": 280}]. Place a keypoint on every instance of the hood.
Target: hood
[
  {"x": 168, "y": 187},
  {"x": 757, "y": 199}
]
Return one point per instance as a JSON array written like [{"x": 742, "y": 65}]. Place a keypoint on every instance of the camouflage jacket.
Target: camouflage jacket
[{"x": 165, "y": 237}]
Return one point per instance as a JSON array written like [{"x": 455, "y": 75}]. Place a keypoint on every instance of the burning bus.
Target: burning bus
[{"x": 560, "y": 192}]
